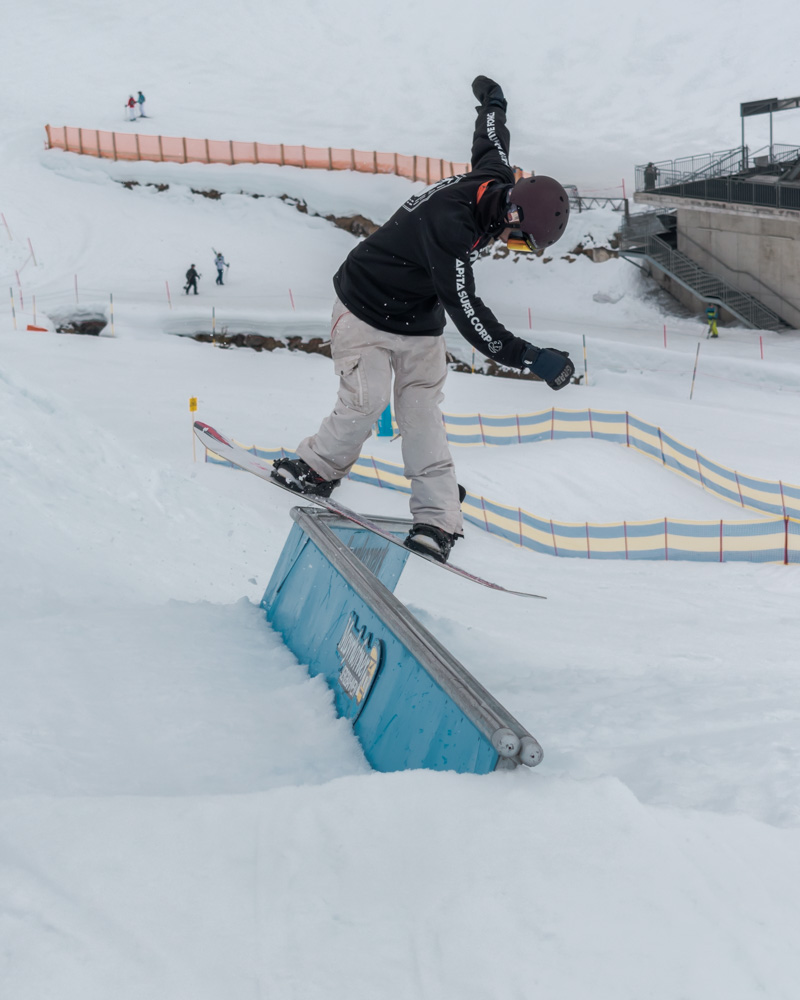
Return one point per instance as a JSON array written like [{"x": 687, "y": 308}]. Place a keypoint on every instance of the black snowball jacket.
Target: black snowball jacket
[{"x": 404, "y": 276}]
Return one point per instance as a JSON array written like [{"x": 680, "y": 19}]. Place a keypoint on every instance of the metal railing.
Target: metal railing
[
  {"x": 724, "y": 176},
  {"x": 737, "y": 191},
  {"x": 700, "y": 282}
]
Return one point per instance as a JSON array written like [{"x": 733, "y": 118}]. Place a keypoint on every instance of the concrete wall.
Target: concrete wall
[{"x": 754, "y": 250}]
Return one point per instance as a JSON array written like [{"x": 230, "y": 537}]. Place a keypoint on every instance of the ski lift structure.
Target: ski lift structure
[{"x": 767, "y": 106}]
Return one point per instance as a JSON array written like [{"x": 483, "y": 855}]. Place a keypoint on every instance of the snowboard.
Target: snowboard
[{"x": 224, "y": 448}]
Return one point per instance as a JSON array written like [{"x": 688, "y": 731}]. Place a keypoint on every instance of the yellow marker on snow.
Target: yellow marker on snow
[{"x": 193, "y": 409}]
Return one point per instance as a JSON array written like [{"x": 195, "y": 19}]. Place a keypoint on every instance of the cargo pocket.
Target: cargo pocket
[{"x": 352, "y": 383}]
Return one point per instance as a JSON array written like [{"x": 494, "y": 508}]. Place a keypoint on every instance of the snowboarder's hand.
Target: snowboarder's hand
[
  {"x": 550, "y": 365},
  {"x": 488, "y": 92}
]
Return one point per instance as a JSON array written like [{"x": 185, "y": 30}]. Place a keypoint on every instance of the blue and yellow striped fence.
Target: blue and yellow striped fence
[{"x": 772, "y": 539}]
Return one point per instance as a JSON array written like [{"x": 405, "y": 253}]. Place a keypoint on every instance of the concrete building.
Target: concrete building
[{"x": 725, "y": 229}]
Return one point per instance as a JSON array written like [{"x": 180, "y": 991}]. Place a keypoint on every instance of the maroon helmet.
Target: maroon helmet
[{"x": 543, "y": 207}]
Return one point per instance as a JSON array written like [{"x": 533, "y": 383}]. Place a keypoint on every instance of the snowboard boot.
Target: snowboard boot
[
  {"x": 300, "y": 477},
  {"x": 430, "y": 541}
]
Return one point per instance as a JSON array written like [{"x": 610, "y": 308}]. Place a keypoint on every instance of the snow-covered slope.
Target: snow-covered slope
[{"x": 182, "y": 814}]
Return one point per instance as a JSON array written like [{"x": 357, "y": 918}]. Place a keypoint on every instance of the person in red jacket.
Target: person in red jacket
[
  {"x": 130, "y": 104},
  {"x": 388, "y": 319}
]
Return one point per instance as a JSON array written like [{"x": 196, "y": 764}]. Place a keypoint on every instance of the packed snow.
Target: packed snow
[{"x": 182, "y": 814}]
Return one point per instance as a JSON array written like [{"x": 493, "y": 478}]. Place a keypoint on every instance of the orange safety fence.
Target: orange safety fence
[{"x": 167, "y": 149}]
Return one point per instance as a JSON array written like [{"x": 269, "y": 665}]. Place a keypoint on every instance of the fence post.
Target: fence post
[
  {"x": 255, "y": 152},
  {"x": 183, "y": 140},
  {"x": 208, "y": 155},
  {"x": 80, "y": 141},
  {"x": 114, "y": 144},
  {"x": 374, "y": 161},
  {"x": 230, "y": 150},
  {"x": 160, "y": 150},
  {"x": 138, "y": 154},
  {"x": 303, "y": 156},
  {"x": 330, "y": 158}
]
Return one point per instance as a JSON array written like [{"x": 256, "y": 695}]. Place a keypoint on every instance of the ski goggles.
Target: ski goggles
[
  {"x": 518, "y": 241},
  {"x": 521, "y": 242}
]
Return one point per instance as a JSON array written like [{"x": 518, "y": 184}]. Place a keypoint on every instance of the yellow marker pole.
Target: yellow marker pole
[
  {"x": 13, "y": 310},
  {"x": 192, "y": 410}
]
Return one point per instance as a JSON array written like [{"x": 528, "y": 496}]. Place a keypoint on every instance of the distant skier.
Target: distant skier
[
  {"x": 220, "y": 264},
  {"x": 712, "y": 315},
  {"x": 389, "y": 315},
  {"x": 140, "y": 102},
  {"x": 191, "y": 280},
  {"x": 131, "y": 106}
]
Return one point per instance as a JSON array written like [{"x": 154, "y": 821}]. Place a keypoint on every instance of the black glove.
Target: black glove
[
  {"x": 488, "y": 92},
  {"x": 551, "y": 365}
]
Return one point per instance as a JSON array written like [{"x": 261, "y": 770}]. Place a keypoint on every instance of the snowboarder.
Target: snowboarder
[
  {"x": 389, "y": 314},
  {"x": 131, "y": 106},
  {"x": 191, "y": 280},
  {"x": 140, "y": 102},
  {"x": 220, "y": 263}
]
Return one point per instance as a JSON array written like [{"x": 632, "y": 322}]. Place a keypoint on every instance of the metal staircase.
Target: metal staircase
[{"x": 640, "y": 241}]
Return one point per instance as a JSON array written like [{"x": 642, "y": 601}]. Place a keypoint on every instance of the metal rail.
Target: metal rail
[{"x": 471, "y": 697}]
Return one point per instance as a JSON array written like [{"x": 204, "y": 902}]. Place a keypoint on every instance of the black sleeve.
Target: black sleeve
[
  {"x": 490, "y": 142},
  {"x": 455, "y": 288}
]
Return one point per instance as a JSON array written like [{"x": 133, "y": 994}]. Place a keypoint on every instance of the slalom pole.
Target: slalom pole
[
  {"x": 665, "y": 335},
  {"x": 473, "y": 360},
  {"x": 291, "y": 299},
  {"x": 76, "y": 289},
  {"x": 761, "y": 342},
  {"x": 21, "y": 299},
  {"x": 694, "y": 373},
  {"x": 585, "y": 365},
  {"x": 13, "y": 310},
  {"x": 192, "y": 411},
  {"x": 6, "y": 225},
  {"x": 530, "y": 319},
  {"x": 111, "y": 298},
  {"x": 32, "y": 253},
  {"x": 169, "y": 299},
  {"x": 213, "y": 321}
]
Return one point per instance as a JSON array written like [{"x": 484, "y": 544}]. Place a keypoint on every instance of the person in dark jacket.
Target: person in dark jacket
[
  {"x": 388, "y": 319},
  {"x": 650, "y": 176},
  {"x": 191, "y": 280}
]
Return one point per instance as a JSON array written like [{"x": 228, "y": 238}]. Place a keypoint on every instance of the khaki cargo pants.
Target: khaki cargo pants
[{"x": 364, "y": 359}]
